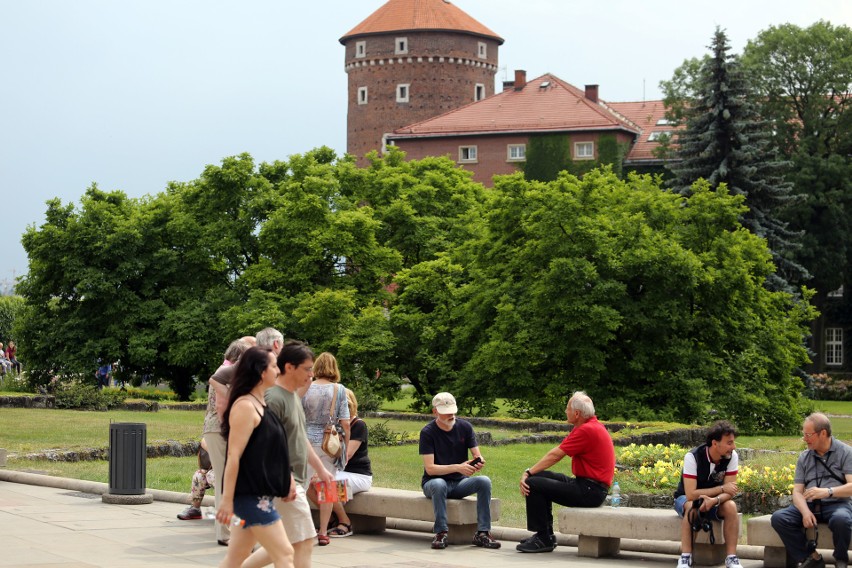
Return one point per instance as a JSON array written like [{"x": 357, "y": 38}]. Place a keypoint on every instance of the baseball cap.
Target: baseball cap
[{"x": 445, "y": 403}]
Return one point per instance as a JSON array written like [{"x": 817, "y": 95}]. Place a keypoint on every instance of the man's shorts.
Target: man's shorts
[
  {"x": 712, "y": 513},
  {"x": 296, "y": 516}
]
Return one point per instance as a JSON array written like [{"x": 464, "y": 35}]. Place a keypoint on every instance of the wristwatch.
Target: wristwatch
[
  {"x": 527, "y": 471},
  {"x": 830, "y": 491}
]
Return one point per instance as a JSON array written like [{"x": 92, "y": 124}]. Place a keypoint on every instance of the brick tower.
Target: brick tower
[{"x": 412, "y": 60}]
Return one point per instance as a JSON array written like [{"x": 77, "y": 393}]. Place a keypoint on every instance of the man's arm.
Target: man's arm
[{"x": 801, "y": 503}]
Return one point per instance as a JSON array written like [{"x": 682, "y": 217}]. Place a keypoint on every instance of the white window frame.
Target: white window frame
[
  {"x": 655, "y": 136},
  {"x": 468, "y": 154},
  {"x": 360, "y": 49},
  {"x": 836, "y": 293},
  {"x": 834, "y": 346},
  {"x": 584, "y": 155},
  {"x": 362, "y": 95},
  {"x": 400, "y": 46},
  {"x": 478, "y": 92},
  {"x": 403, "y": 92},
  {"x": 482, "y": 50},
  {"x": 520, "y": 151}
]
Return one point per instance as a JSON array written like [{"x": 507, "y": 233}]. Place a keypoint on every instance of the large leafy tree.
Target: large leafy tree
[
  {"x": 651, "y": 301},
  {"x": 802, "y": 78},
  {"x": 726, "y": 141}
]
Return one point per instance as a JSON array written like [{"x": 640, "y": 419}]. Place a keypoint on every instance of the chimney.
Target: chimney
[
  {"x": 508, "y": 85},
  {"x": 592, "y": 93},
  {"x": 520, "y": 79}
]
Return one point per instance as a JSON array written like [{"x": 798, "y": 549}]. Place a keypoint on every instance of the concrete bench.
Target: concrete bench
[
  {"x": 761, "y": 533},
  {"x": 600, "y": 530},
  {"x": 369, "y": 511}
]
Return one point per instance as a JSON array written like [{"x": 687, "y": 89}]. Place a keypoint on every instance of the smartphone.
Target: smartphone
[{"x": 475, "y": 461}]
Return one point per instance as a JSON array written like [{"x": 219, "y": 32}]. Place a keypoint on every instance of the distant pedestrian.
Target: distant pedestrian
[
  {"x": 103, "y": 374},
  {"x": 11, "y": 356}
]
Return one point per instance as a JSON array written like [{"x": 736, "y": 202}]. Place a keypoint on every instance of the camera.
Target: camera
[{"x": 475, "y": 461}]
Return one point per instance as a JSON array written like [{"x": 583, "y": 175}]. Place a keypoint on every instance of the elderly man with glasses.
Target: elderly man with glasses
[{"x": 821, "y": 491}]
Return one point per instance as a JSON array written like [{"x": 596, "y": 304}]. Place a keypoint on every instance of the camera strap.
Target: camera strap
[{"x": 830, "y": 472}]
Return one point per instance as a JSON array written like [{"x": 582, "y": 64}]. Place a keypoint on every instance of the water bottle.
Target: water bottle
[
  {"x": 615, "y": 500},
  {"x": 235, "y": 520}
]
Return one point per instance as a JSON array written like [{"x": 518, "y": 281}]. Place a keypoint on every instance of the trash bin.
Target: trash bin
[{"x": 127, "y": 452}]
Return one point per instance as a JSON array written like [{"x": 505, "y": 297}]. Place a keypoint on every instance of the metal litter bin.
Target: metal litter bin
[{"x": 128, "y": 443}]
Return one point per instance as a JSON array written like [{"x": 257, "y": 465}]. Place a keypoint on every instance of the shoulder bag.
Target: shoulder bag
[{"x": 331, "y": 443}]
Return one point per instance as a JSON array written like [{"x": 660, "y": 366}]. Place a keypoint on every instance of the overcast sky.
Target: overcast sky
[{"x": 133, "y": 94}]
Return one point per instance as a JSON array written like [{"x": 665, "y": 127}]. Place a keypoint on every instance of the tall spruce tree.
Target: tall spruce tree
[{"x": 726, "y": 141}]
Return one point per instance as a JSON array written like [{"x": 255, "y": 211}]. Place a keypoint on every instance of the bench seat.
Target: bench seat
[
  {"x": 600, "y": 530},
  {"x": 369, "y": 511},
  {"x": 761, "y": 533}
]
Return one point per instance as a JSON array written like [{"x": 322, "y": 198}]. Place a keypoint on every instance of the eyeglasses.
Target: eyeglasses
[{"x": 807, "y": 435}]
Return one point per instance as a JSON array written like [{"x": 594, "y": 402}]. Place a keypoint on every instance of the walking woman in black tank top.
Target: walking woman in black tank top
[{"x": 257, "y": 464}]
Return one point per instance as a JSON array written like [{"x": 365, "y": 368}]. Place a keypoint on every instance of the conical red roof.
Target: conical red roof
[{"x": 419, "y": 15}]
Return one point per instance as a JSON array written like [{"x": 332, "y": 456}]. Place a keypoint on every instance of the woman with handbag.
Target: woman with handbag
[{"x": 326, "y": 412}]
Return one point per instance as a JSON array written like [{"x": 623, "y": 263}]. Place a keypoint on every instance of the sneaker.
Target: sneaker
[
  {"x": 685, "y": 561},
  {"x": 811, "y": 562},
  {"x": 485, "y": 540},
  {"x": 551, "y": 536},
  {"x": 190, "y": 514},
  {"x": 440, "y": 541},
  {"x": 535, "y": 544},
  {"x": 733, "y": 562},
  {"x": 841, "y": 564}
]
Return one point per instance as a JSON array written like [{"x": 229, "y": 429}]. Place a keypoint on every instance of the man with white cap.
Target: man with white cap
[{"x": 447, "y": 470}]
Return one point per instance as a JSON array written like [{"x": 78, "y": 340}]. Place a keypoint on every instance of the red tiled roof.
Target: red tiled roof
[
  {"x": 646, "y": 115},
  {"x": 419, "y": 15},
  {"x": 544, "y": 104}
]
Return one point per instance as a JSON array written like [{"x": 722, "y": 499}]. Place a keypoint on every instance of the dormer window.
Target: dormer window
[
  {"x": 360, "y": 49},
  {"x": 401, "y": 45},
  {"x": 482, "y": 50}
]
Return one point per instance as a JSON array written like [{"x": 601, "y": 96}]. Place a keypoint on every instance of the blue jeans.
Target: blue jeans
[
  {"x": 787, "y": 523},
  {"x": 439, "y": 490}
]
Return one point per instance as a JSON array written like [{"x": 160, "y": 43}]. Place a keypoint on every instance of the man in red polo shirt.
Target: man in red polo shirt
[{"x": 592, "y": 463}]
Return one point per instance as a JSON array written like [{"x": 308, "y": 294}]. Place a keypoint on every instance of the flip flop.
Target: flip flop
[{"x": 338, "y": 532}]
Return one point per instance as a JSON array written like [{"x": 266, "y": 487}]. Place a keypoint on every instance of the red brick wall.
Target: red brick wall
[
  {"x": 492, "y": 151},
  {"x": 435, "y": 87}
]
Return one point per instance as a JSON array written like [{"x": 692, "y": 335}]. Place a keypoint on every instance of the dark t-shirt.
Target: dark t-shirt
[
  {"x": 360, "y": 462},
  {"x": 448, "y": 447}
]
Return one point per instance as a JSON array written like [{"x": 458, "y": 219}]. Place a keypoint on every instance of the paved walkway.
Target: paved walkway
[{"x": 67, "y": 528}]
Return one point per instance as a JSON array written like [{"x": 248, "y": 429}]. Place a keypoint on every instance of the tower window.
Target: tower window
[
  {"x": 467, "y": 154},
  {"x": 584, "y": 150},
  {"x": 401, "y": 45},
  {"x": 479, "y": 92},
  {"x": 402, "y": 92},
  {"x": 482, "y": 50},
  {"x": 362, "y": 95},
  {"x": 360, "y": 49}
]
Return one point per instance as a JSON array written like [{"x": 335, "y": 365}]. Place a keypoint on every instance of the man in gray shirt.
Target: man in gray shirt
[{"x": 821, "y": 491}]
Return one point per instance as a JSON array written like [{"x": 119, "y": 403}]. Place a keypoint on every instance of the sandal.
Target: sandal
[
  {"x": 338, "y": 532},
  {"x": 323, "y": 539}
]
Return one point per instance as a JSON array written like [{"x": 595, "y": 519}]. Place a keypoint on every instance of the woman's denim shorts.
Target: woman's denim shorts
[{"x": 255, "y": 511}]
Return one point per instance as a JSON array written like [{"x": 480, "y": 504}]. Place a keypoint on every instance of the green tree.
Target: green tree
[
  {"x": 726, "y": 141},
  {"x": 10, "y": 309},
  {"x": 653, "y": 302},
  {"x": 802, "y": 78}
]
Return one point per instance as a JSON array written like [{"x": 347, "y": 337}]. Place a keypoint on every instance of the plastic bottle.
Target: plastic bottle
[
  {"x": 235, "y": 520},
  {"x": 615, "y": 500}
]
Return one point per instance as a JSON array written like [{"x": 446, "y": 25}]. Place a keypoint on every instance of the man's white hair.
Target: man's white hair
[
  {"x": 581, "y": 402},
  {"x": 266, "y": 337}
]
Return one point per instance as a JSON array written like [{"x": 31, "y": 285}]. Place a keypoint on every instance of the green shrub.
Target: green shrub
[
  {"x": 87, "y": 397},
  {"x": 825, "y": 387},
  {"x": 149, "y": 393},
  {"x": 381, "y": 435}
]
